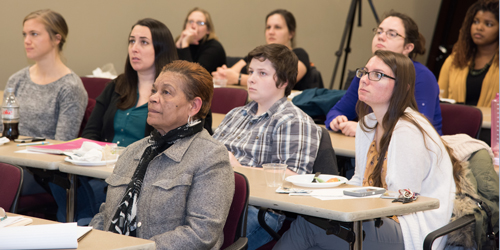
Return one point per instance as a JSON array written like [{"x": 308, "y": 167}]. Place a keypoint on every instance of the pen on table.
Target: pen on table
[{"x": 34, "y": 143}]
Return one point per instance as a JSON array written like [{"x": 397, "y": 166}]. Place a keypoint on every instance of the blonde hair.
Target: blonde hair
[
  {"x": 54, "y": 24},
  {"x": 208, "y": 20}
]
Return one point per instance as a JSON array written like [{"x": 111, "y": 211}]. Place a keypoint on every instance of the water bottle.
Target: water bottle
[
  {"x": 494, "y": 126},
  {"x": 10, "y": 115}
]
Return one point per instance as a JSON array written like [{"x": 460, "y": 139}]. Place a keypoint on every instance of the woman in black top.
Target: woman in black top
[
  {"x": 198, "y": 42},
  {"x": 280, "y": 29}
]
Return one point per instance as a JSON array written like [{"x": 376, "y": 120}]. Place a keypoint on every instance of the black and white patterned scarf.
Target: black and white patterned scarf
[{"x": 124, "y": 221}]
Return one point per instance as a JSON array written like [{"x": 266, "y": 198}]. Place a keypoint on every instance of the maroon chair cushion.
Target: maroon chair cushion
[
  {"x": 225, "y": 99},
  {"x": 94, "y": 85},
  {"x": 10, "y": 184},
  {"x": 236, "y": 220},
  {"x": 461, "y": 119},
  {"x": 88, "y": 111}
]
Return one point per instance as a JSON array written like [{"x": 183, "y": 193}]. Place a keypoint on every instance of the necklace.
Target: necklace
[{"x": 475, "y": 72}]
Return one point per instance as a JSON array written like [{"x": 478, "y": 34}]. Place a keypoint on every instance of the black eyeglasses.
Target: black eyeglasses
[
  {"x": 199, "y": 23},
  {"x": 391, "y": 34},
  {"x": 374, "y": 75}
]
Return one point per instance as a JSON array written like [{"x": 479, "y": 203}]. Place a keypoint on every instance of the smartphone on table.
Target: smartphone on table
[
  {"x": 362, "y": 192},
  {"x": 30, "y": 139}
]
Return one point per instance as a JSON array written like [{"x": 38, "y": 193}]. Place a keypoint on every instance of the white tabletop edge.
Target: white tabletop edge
[{"x": 343, "y": 216}]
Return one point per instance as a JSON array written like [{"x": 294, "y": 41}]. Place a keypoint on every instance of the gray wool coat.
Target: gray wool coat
[{"x": 185, "y": 197}]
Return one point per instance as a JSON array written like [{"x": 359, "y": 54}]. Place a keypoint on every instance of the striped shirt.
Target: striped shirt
[{"x": 283, "y": 134}]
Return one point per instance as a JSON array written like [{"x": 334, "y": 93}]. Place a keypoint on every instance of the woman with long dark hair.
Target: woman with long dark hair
[
  {"x": 122, "y": 108},
  {"x": 396, "y": 148}
]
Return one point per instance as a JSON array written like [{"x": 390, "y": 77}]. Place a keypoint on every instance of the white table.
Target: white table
[{"x": 349, "y": 210}]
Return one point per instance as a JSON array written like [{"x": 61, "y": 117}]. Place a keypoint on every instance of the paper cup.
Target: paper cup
[
  {"x": 111, "y": 154},
  {"x": 220, "y": 82},
  {"x": 275, "y": 173}
]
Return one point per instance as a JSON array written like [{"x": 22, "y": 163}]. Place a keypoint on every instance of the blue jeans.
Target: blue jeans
[
  {"x": 305, "y": 235},
  {"x": 89, "y": 196},
  {"x": 258, "y": 236}
]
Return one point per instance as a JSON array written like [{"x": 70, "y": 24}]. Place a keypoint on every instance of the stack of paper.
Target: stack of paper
[
  {"x": 50, "y": 236},
  {"x": 15, "y": 221},
  {"x": 332, "y": 194},
  {"x": 68, "y": 146}
]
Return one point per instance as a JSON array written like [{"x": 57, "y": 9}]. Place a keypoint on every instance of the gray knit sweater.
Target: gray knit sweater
[{"x": 54, "y": 110}]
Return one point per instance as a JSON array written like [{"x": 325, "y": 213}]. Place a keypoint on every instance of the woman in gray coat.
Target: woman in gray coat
[{"x": 176, "y": 186}]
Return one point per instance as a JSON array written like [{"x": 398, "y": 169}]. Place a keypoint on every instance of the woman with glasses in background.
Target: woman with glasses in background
[
  {"x": 397, "y": 33},
  {"x": 396, "y": 149},
  {"x": 198, "y": 42}
]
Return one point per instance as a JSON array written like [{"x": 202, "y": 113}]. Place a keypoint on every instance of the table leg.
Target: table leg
[
  {"x": 358, "y": 230},
  {"x": 70, "y": 198}
]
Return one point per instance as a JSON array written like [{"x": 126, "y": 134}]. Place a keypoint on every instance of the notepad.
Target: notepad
[
  {"x": 15, "y": 221},
  {"x": 63, "y": 147},
  {"x": 49, "y": 236}
]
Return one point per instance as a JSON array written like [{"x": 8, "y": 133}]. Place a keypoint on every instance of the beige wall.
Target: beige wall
[{"x": 98, "y": 30}]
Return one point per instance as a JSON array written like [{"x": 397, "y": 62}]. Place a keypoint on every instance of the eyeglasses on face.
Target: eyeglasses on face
[
  {"x": 374, "y": 75},
  {"x": 199, "y": 23},
  {"x": 391, "y": 34}
]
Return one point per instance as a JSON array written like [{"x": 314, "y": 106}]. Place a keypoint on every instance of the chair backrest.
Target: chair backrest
[
  {"x": 225, "y": 99},
  {"x": 88, "y": 111},
  {"x": 326, "y": 160},
  {"x": 11, "y": 181},
  {"x": 236, "y": 222},
  {"x": 94, "y": 85},
  {"x": 317, "y": 77},
  {"x": 461, "y": 119}
]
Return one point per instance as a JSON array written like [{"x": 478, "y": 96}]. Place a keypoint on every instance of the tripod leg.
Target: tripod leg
[
  {"x": 348, "y": 48},
  {"x": 349, "y": 22}
]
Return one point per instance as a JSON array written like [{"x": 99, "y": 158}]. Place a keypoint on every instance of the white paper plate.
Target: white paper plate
[
  {"x": 306, "y": 180},
  {"x": 88, "y": 163}
]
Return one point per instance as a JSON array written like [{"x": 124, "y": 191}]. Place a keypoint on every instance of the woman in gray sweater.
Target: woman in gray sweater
[
  {"x": 174, "y": 187},
  {"x": 51, "y": 97}
]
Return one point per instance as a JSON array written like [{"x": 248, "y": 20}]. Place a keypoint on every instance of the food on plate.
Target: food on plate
[
  {"x": 319, "y": 180},
  {"x": 334, "y": 179}
]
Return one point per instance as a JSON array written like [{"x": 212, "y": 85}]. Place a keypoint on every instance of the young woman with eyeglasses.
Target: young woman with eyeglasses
[
  {"x": 198, "y": 42},
  {"x": 397, "y": 33},
  {"x": 470, "y": 74},
  {"x": 396, "y": 149},
  {"x": 280, "y": 29}
]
